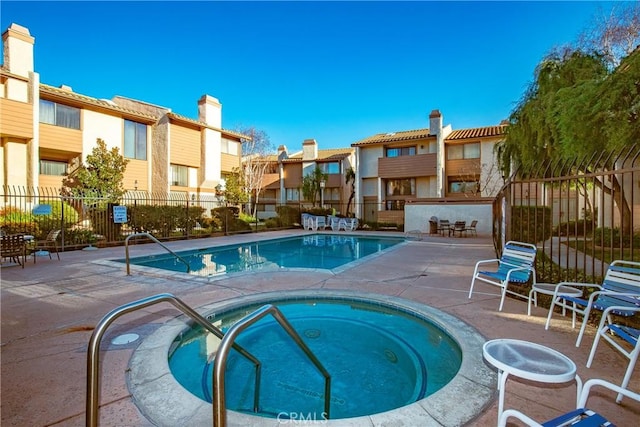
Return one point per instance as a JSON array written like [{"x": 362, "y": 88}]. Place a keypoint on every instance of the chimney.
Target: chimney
[
  {"x": 282, "y": 152},
  {"x": 18, "y": 50},
  {"x": 210, "y": 111},
  {"x": 435, "y": 122},
  {"x": 309, "y": 149}
]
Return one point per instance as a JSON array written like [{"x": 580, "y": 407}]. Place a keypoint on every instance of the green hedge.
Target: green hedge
[{"x": 531, "y": 224}]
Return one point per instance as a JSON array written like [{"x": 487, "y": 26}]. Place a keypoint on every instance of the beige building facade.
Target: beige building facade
[{"x": 45, "y": 131}]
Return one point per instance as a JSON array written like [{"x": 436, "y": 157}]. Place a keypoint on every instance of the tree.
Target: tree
[
  {"x": 234, "y": 191},
  {"x": 350, "y": 178},
  {"x": 101, "y": 175},
  {"x": 311, "y": 184},
  {"x": 255, "y": 161},
  {"x": 577, "y": 108}
]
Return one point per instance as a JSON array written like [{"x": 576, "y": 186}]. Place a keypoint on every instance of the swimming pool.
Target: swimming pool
[
  {"x": 166, "y": 402},
  {"x": 326, "y": 251},
  {"x": 379, "y": 357}
]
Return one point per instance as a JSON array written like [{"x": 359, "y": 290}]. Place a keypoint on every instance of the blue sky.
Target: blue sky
[{"x": 336, "y": 71}]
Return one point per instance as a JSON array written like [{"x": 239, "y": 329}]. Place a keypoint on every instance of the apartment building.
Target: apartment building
[
  {"x": 46, "y": 130},
  {"x": 285, "y": 172},
  {"x": 398, "y": 168}
]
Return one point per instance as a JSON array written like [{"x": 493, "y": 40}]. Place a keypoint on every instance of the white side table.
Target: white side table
[
  {"x": 529, "y": 361},
  {"x": 553, "y": 291}
]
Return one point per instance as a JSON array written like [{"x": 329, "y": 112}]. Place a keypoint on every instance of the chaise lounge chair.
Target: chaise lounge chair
[
  {"x": 516, "y": 265},
  {"x": 620, "y": 287},
  {"x": 581, "y": 416}
]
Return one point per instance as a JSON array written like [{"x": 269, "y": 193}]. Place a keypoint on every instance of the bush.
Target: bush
[
  {"x": 530, "y": 224},
  {"x": 613, "y": 237},
  {"x": 288, "y": 215},
  {"x": 165, "y": 220},
  {"x": 574, "y": 228}
]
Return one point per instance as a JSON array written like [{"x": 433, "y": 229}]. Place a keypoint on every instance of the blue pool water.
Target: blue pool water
[
  {"x": 379, "y": 358},
  {"x": 326, "y": 251}
]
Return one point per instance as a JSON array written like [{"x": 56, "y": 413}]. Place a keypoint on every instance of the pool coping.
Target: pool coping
[{"x": 165, "y": 402}]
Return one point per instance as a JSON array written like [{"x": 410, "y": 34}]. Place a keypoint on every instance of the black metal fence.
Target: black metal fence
[{"x": 582, "y": 214}]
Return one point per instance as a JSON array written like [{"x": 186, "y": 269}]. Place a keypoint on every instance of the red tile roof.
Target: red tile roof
[
  {"x": 483, "y": 132},
  {"x": 405, "y": 135}
]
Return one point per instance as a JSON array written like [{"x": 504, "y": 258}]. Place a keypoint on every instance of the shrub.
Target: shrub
[
  {"x": 530, "y": 224},
  {"x": 288, "y": 215},
  {"x": 580, "y": 227}
]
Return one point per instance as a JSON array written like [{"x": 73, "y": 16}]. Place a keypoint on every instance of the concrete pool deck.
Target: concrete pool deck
[{"x": 49, "y": 310}]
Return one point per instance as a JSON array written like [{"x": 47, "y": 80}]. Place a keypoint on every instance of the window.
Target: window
[
  {"x": 395, "y": 205},
  {"x": 401, "y": 151},
  {"x": 135, "y": 140},
  {"x": 59, "y": 115},
  {"x": 293, "y": 194},
  {"x": 180, "y": 175},
  {"x": 228, "y": 146},
  {"x": 401, "y": 187},
  {"x": 52, "y": 167},
  {"x": 463, "y": 151},
  {"x": 464, "y": 187},
  {"x": 332, "y": 167}
]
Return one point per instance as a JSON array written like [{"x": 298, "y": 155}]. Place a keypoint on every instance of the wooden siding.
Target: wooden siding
[
  {"x": 50, "y": 181},
  {"x": 229, "y": 162},
  {"x": 136, "y": 170},
  {"x": 185, "y": 146},
  {"x": 60, "y": 138},
  {"x": 271, "y": 181},
  {"x": 394, "y": 217},
  {"x": 462, "y": 167},
  {"x": 407, "y": 166},
  {"x": 16, "y": 118},
  {"x": 293, "y": 175}
]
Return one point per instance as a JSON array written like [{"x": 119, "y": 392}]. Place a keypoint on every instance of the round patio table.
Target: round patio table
[
  {"x": 550, "y": 289},
  {"x": 529, "y": 361}
]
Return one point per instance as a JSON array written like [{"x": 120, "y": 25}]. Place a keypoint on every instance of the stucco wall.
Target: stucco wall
[{"x": 416, "y": 215}]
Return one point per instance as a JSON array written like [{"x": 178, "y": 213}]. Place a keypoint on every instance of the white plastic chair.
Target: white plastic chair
[
  {"x": 578, "y": 417},
  {"x": 516, "y": 265},
  {"x": 620, "y": 287},
  {"x": 617, "y": 335}
]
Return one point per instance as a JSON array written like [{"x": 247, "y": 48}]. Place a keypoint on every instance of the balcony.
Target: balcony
[{"x": 407, "y": 166}]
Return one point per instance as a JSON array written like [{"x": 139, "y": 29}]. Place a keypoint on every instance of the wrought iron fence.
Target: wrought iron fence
[{"x": 581, "y": 213}]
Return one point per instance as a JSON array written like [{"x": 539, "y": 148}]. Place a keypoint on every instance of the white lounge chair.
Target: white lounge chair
[
  {"x": 581, "y": 416},
  {"x": 620, "y": 287},
  {"x": 516, "y": 265},
  {"x": 616, "y": 335}
]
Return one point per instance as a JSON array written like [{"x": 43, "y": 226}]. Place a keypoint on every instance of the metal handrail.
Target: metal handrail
[
  {"x": 93, "y": 351},
  {"x": 219, "y": 408},
  {"x": 126, "y": 249}
]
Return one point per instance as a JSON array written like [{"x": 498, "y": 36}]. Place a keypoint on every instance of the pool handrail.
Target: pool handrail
[
  {"x": 150, "y": 237},
  {"x": 93, "y": 349},
  {"x": 219, "y": 405}
]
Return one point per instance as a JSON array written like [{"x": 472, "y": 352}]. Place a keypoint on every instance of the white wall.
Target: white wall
[
  {"x": 97, "y": 125},
  {"x": 369, "y": 161},
  {"x": 416, "y": 216}
]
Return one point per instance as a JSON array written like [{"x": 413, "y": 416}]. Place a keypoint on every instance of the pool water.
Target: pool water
[
  {"x": 326, "y": 251},
  {"x": 379, "y": 359}
]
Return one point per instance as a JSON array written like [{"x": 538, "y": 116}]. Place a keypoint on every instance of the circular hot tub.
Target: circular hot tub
[{"x": 387, "y": 357}]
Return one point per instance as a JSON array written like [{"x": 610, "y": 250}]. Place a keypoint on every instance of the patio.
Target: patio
[{"x": 50, "y": 308}]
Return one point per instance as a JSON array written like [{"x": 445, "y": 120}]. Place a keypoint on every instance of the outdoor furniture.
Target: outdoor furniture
[
  {"x": 516, "y": 265},
  {"x": 459, "y": 227},
  {"x": 444, "y": 226},
  {"x": 472, "y": 228},
  {"x": 620, "y": 287},
  {"x": 349, "y": 224},
  {"x": 530, "y": 361},
  {"x": 335, "y": 223},
  {"x": 552, "y": 290},
  {"x": 580, "y": 417},
  {"x": 14, "y": 248},
  {"x": 616, "y": 334},
  {"x": 46, "y": 246},
  {"x": 433, "y": 225}
]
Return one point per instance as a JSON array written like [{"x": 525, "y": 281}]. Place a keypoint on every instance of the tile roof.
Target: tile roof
[
  {"x": 110, "y": 105},
  {"x": 483, "y": 132},
  {"x": 87, "y": 100},
  {"x": 323, "y": 155},
  {"x": 406, "y": 135}
]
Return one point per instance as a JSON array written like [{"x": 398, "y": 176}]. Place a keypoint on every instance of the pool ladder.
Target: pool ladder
[
  {"x": 227, "y": 342},
  {"x": 150, "y": 237}
]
